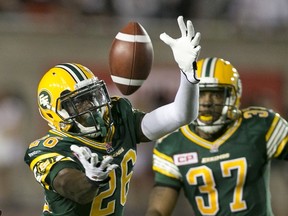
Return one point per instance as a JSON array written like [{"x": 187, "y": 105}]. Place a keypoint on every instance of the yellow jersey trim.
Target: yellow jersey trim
[
  {"x": 205, "y": 143},
  {"x": 41, "y": 157},
  {"x": 281, "y": 147},
  {"x": 161, "y": 155},
  {"x": 84, "y": 140},
  {"x": 272, "y": 127}
]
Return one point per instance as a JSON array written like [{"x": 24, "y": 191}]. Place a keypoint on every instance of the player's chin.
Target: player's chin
[{"x": 207, "y": 122}]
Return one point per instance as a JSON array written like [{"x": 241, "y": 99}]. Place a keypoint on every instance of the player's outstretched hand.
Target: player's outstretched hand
[
  {"x": 96, "y": 171},
  {"x": 185, "y": 49}
]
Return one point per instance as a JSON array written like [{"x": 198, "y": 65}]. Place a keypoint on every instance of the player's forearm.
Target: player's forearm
[
  {"x": 73, "y": 184},
  {"x": 162, "y": 201},
  {"x": 186, "y": 103},
  {"x": 168, "y": 118}
]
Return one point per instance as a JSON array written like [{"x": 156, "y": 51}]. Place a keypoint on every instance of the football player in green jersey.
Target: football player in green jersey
[
  {"x": 85, "y": 162},
  {"x": 222, "y": 159}
]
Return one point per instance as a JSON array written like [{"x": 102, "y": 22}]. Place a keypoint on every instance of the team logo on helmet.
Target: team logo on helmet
[{"x": 44, "y": 100}]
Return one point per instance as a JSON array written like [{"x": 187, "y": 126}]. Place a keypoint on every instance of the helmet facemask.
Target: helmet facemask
[
  {"x": 216, "y": 115},
  {"x": 87, "y": 109}
]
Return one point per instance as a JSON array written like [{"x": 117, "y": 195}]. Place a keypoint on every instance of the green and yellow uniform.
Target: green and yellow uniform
[
  {"x": 48, "y": 155},
  {"x": 230, "y": 175}
]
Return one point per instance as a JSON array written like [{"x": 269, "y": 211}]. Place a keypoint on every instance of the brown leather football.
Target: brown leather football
[{"x": 130, "y": 58}]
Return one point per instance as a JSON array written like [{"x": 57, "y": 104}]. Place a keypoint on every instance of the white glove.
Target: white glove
[
  {"x": 185, "y": 49},
  {"x": 96, "y": 171}
]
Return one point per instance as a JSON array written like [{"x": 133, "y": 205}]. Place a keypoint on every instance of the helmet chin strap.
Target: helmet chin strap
[
  {"x": 101, "y": 129},
  {"x": 89, "y": 131},
  {"x": 210, "y": 129},
  {"x": 217, "y": 125}
]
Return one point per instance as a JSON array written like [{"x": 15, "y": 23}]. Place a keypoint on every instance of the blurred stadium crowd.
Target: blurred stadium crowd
[
  {"x": 20, "y": 123},
  {"x": 259, "y": 13}
]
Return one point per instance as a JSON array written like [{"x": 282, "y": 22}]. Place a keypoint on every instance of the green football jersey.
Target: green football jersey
[
  {"x": 229, "y": 176},
  {"x": 48, "y": 155}
]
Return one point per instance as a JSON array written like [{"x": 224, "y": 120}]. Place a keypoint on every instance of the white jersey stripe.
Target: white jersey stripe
[
  {"x": 276, "y": 138},
  {"x": 169, "y": 167},
  {"x": 276, "y": 133}
]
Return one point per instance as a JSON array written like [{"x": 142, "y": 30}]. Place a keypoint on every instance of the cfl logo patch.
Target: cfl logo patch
[{"x": 185, "y": 158}]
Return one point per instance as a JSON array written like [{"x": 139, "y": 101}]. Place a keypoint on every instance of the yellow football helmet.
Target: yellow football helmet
[
  {"x": 72, "y": 99},
  {"x": 216, "y": 73}
]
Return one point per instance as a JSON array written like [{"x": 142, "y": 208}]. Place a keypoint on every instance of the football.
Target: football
[{"x": 130, "y": 58}]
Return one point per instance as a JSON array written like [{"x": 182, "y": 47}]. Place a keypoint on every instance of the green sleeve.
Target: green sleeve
[{"x": 56, "y": 169}]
